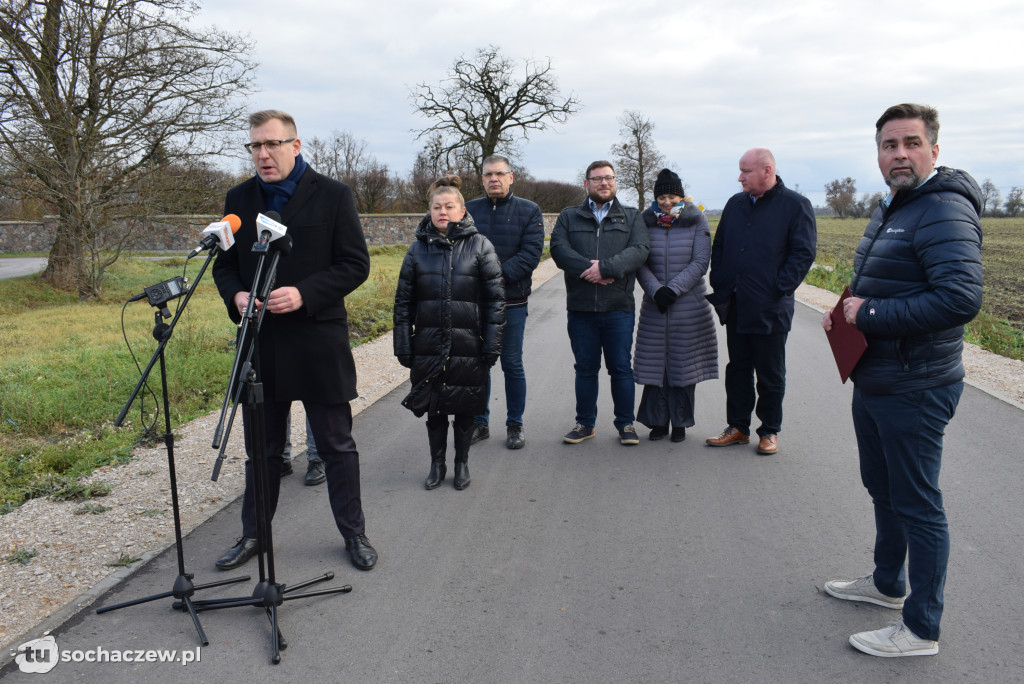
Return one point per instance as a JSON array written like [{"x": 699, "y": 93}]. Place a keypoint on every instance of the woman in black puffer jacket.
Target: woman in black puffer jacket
[{"x": 449, "y": 315}]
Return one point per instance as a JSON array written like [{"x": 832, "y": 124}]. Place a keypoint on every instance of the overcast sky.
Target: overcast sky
[{"x": 806, "y": 79}]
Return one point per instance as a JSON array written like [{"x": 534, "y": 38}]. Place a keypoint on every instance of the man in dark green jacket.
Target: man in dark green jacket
[{"x": 600, "y": 245}]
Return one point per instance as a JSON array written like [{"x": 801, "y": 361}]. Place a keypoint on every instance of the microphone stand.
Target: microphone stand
[
  {"x": 183, "y": 588},
  {"x": 268, "y": 593}
]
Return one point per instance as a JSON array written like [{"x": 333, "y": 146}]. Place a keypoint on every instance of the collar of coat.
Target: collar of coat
[{"x": 457, "y": 230}]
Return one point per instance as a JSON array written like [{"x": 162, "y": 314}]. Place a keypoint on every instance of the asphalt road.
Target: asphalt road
[{"x": 597, "y": 562}]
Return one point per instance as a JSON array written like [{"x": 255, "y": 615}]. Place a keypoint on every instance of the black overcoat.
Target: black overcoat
[{"x": 304, "y": 354}]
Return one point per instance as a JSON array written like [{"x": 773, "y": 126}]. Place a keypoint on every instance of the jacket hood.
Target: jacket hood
[
  {"x": 456, "y": 229},
  {"x": 946, "y": 179}
]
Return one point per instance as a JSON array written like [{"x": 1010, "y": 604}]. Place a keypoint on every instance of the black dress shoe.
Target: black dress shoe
[
  {"x": 678, "y": 434},
  {"x": 658, "y": 432},
  {"x": 237, "y": 555},
  {"x": 363, "y": 555},
  {"x": 286, "y": 468},
  {"x": 315, "y": 473}
]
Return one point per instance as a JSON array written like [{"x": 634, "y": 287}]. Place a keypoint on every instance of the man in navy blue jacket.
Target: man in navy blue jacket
[
  {"x": 917, "y": 282},
  {"x": 764, "y": 245},
  {"x": 516, "y": 229}
]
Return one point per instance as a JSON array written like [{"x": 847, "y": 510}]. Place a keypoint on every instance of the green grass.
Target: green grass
[
  {"x": 1000, "y": 325},
  {"x": 65, "y": 372}
]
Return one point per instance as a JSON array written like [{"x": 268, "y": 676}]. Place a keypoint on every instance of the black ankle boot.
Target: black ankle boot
[
  {"x": 437, "y": 434},
  {"x": 461, "y": 480},
  {"x": 437, "y": 472},
  {"x": 463, "y": 438}
]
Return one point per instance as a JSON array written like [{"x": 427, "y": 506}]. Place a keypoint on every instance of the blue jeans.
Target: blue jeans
[
  {"x": 900, "y": 441},
  {"x": 590, "y": 333},
  {"x": 512, "y": 367}
]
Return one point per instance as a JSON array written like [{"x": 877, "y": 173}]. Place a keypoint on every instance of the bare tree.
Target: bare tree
[
  {"x": 989, "y": 197},
  {"x": 1014, "y": 201},
  {"x": 97, "y": 98},
  {"x": 484, "y": 107},
  {"x": 841, "y": 196},
  {"x": 636, "y": 157},
  {"x": 866, "y": 206}
]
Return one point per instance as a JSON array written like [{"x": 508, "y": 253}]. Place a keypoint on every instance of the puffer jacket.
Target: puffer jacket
[
  {"x": 515, "y": 227},
  {"x": 680, "y": 343},
  {"x": 918, "y": 267},
  {"x": 620, "y": 244},
  {"x": 449, "y": 315}
]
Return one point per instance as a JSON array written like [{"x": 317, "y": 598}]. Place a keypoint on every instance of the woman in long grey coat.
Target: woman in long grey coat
[{"x": 676, "y": 342}]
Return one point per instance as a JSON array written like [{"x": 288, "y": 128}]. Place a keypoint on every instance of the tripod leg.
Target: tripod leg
[{"x": 195, "y": 619}]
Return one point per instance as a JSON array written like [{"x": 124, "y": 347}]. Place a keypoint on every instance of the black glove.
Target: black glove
[
  {"x": 405, "y": 360},
  {"x": 664, "y": 298},
  {"x": 490, "y": 360}
]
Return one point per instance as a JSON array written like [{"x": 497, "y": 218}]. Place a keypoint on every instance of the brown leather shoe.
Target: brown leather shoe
[
  {"x": 768, "y": 445},
  {"x": 730, "y": 436}
]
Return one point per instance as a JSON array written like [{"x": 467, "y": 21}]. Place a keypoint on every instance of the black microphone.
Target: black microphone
[
  {"x": 220, "y": 234},
  {"x": 283, "y": 246}
]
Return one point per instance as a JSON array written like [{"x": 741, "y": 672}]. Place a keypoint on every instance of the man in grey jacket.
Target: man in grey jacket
[{"x": 600, "y": 245}]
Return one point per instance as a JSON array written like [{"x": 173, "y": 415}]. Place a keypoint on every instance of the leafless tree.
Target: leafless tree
[
  {"x": 637, "y": 159},
  {"x": 841, "y": 196},
  {"x": 989, "y": 197},
  {"x": 97, "y": 99},
  {"x": 1014, "y": 201},
  {"x": 484, "y": 106}
]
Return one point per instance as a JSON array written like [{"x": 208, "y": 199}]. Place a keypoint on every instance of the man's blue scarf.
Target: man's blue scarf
[{"x": 278, "y": 194}]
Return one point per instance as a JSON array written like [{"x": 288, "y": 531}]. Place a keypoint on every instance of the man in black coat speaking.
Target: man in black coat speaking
[
  {"x": 304, "y": 339},
  {"x": 764, "y": 245}
]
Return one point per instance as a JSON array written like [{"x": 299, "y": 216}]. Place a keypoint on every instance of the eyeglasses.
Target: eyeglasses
[
  {"x": 602, "y": 179},
  {"x": 271, "y": 145}
]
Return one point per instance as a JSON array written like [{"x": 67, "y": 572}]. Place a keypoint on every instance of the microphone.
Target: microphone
[
  {"x": 269, "y": 227},
  {"x": 220, "y": 234}
]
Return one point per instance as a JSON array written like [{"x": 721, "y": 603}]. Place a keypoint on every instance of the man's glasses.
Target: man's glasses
[
  {"x": 270, "y": 145},
  {"x": 602, "y": 179}
]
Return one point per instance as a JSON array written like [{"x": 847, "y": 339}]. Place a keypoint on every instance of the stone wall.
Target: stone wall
[{"x": 182, "y": 233}]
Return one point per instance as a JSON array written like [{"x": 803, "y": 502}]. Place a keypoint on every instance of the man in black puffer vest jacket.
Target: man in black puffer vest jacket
[
  {"x": 516, "y": 229},
  {"x": 917, "y": 281}
]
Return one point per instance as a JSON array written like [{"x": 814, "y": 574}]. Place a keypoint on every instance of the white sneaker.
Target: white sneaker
[
  {"x": 894, "y": 641},
  {"x": 862, "y": 589}
]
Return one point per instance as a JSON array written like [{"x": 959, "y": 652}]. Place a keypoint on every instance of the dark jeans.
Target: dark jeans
[
  {"x": 900, "y": 442},
  {"x": 590, "y": 333},
  {"x": 765, "y": 356},
  {"x": 332, "y": 428},
  {"x": 512, "y": 367}
]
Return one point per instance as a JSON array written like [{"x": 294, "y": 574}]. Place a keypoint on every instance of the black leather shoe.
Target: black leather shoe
[
  {"x": 286, "y": 468},
  {"x": 363, "y": 555},
  {"x": 515, "y": 439},
  {"x": 315, "y": 473},
  {"x": 658, "y": 432},
  {"x": 480, "y": 433},
  {"x": 678, "y": 434},
  {"x": 461, "y": 480},
  {"x": 238, "y": 555},
  {"x": 437, "y": 472}
]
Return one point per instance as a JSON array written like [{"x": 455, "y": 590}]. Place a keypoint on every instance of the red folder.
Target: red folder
[{"x": 847, "y": 342}]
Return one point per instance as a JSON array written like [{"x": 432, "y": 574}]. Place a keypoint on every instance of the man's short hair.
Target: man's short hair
[
  {"x": 257, "y": 119},
  {"x": 907, "y": 110},
  {"x": 496, "y": 159},
  {"x": 600, "y": 164}
]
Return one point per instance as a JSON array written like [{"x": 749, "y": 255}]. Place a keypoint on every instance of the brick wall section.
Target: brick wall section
[{"x": 182, "y": 233}]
